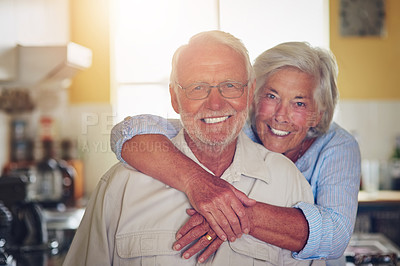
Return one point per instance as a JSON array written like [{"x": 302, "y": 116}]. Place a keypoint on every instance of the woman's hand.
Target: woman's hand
[
  {"x": 197, "y": 228},
  {"x": 220, "y": 204}
]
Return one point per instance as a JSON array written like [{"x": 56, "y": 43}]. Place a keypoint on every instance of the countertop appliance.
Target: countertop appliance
[
  {"x": 372, "y": 249},
  {"x": 38, "y": 235}
]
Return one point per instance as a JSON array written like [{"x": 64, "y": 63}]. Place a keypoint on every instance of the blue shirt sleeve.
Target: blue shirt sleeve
[
  {"x": 334, "y": 175},
  {"x": 139, "y": 125}
]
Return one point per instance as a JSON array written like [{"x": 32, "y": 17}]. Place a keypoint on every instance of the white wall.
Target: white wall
[{"x": 375, "y": 124}]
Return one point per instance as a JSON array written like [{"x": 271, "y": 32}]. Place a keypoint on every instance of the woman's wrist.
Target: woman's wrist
[{"x": 194, "y": 178}]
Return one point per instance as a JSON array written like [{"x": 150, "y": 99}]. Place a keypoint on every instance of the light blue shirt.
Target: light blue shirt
[{"x": 332, "y": 166}]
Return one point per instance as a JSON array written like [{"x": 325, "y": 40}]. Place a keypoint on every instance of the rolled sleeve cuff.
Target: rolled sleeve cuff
[
  {"x": 314, "y": 220},
  {"x": 119, "y": 135},
  {"x": 138, "y": 125}
]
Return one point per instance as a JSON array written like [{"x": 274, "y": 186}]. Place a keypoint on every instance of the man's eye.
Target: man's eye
[
  {"x": 229, "y": 85},
  {"x": 270, "y": 96},
  {"x": 300, "y": 104},
  {"x": 198, "y": 88}
]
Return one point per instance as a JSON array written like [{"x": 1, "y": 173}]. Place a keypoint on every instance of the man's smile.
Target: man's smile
[{"x": 214, "y": 120}]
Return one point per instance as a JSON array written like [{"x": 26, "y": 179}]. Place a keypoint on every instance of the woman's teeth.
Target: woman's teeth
[
  {"x": 279, "y": 132},
  {"x": 215, "y": 120}
]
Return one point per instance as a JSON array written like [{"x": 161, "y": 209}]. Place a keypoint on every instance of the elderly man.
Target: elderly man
[{"x": 132, "y": 218}]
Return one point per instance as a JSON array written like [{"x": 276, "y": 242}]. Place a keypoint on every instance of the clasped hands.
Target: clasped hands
[{"x": 218, "y": 214}]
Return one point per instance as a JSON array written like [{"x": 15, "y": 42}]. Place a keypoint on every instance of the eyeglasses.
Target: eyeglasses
[{"x": 228, "y": 89}]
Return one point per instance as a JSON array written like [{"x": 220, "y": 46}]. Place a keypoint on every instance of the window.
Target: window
[{"x": 147, "y": 33}]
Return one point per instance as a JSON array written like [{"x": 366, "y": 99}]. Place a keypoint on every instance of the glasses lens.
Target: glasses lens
[
  {"x": 231, "y": 89},
  {"x": 197, "y": 91}
]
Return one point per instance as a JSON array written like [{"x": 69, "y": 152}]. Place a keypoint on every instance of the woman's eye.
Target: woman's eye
[
  {"x": 270, "y": 96},
  {"x": 300, "y": 104}
]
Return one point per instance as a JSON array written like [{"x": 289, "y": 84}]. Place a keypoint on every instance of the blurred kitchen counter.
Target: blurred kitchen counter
[
  {"x": 379, "y": 197},
  {"x": 379, "y": 212}
]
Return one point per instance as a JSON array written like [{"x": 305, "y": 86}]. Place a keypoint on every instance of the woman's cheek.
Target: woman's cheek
[
  {"x": 264, "y": 108},
  {"x": 302, "y": 118}
]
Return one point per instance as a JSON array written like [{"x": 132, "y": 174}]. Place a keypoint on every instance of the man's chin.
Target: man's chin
[{"x": 217, "y": 139}]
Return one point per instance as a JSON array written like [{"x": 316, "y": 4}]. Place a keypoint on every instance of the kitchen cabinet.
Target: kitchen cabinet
[
  {"x": 379, "y": 212},
  {"x": 30, "y": 23}
]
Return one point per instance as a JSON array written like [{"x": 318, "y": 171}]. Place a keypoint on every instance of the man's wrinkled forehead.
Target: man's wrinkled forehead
[{"x": 211, "y": 56}]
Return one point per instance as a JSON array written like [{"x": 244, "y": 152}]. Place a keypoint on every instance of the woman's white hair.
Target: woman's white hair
[
  {"x": 213, "y": 37},
  {"x": 317, "y": 62}
]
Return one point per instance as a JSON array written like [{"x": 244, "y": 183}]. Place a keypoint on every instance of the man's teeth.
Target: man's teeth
[
  {"x": 215, "y": 119},
  {"x": 279, "y": 132}
]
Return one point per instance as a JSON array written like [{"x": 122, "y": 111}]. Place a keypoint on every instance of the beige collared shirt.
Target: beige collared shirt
[{"x": 131, "y": 218}]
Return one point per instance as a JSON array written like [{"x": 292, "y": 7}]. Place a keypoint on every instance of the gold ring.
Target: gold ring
[{"x": 209, "y": 238}]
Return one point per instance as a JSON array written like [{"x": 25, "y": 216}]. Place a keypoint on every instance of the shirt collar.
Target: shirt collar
[{"x": 248, "y": 160}]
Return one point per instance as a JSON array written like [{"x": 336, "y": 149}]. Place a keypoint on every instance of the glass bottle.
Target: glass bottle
[
  {"x": 55, "y": 179},
  {"x": 395, "y": 166}
]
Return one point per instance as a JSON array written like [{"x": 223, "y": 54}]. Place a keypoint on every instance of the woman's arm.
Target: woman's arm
[
  {"x": 332, "y": 217},
  {"x": 284, "y": 227},
  {"x": 155, "y": 155}
]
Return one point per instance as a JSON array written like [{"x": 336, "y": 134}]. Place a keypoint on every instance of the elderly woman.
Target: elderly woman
[{"x": 295, "y": 98}]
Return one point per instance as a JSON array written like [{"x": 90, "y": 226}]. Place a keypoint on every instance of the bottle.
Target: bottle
[
  {"x": 55, "y": 179},
  {"x": 68, "y": 155},
  {"x": 396, "y": 153},
  {"x": 395, "y": 166}
]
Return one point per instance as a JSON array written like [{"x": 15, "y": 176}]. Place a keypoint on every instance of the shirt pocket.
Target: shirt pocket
[
  {"x": 262, "y": 253},
  {"x": 145, "y": 248}
]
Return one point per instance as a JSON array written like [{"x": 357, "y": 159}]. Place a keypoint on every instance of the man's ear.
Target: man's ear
[{"x": 174, "y": 99}]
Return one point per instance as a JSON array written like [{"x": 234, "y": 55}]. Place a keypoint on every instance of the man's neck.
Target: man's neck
[{"x": 217, "y": 158}]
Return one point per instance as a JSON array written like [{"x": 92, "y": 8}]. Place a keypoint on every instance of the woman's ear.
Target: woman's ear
[
  {"x": 318, "y": 117},
  {"x": 174, "y": 99},
  {"x": 251, "y": 94}
]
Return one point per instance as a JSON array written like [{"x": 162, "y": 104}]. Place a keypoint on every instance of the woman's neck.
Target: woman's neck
[{"x": 295, "y": 154}]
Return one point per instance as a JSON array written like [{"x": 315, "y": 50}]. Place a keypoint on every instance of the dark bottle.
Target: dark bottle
[
  {"x": 55, "y": 179},
  {"x": 395, "y": 166},
  {"x": 68, "y": 156}
]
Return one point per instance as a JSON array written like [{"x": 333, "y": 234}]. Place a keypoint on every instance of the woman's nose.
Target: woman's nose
[{"x": 281, "y": 113}]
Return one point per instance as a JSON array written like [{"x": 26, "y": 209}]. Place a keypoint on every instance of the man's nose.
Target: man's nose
[{"x": 214, "y": 100}]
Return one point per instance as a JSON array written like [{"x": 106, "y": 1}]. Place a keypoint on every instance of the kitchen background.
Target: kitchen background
[
  {"x": 369, "y": 78},
  {"x": 81, "y": 99}
]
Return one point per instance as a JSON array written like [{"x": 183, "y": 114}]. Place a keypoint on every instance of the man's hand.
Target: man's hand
[
  {"x": 221, "y": 204},
  {"x": 197, "y": 228}
]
